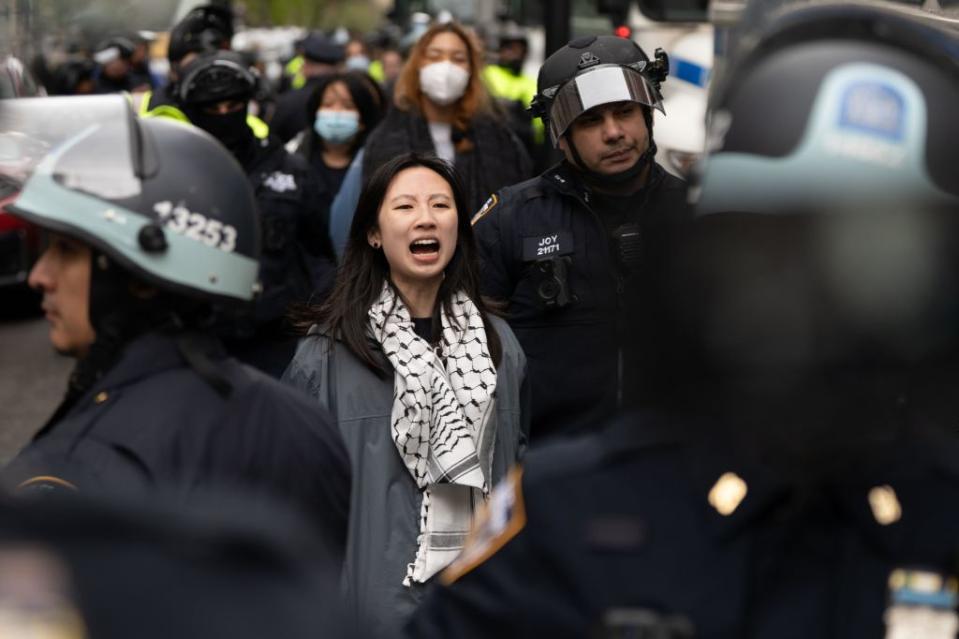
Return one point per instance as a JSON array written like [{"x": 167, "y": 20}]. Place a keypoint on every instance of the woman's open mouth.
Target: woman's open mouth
[
  {"x": 425, "y": 247},
  {"x": 425, "y": 251}
]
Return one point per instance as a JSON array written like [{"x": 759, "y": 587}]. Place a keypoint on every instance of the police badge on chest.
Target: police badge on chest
[{"x": 922, "y": 604}]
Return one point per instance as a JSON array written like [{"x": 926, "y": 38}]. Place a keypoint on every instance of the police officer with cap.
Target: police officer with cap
[
  {"x": 152, "y": 234},
  {"x": 796, "y": 474},
  {"x": 296, "y": 261},
  {"x": 561, "y": 249}
]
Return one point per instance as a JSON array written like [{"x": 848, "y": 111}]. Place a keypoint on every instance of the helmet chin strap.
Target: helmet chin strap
[
  {"x": 118, "y": 317},
  {"x": 619, "y": 178}
]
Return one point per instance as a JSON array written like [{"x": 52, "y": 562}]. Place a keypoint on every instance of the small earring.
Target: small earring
[{"x": 375, "y": 244}]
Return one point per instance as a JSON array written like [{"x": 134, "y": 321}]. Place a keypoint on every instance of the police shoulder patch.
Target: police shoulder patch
[
  {"x": 501, "y": 519},
  {"x": 44, "y": 484},
  {"x": 280, "y": 182},
  {"x": 483, "y": 212}
]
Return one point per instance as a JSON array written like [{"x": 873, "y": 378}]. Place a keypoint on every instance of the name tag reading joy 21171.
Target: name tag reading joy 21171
[{"x": 548, "y": 245}]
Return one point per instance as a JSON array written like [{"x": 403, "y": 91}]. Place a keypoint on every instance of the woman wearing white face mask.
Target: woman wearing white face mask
[
  {"x": 343, "y": 109},
  {"x": 441, "y": 106}
]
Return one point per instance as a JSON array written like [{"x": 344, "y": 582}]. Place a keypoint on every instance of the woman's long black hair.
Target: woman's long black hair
[
  {"x": 359, "y": 281},
  {"x": 367, "y": 97}
]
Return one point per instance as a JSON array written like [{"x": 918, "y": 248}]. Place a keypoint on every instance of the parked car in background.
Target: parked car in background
[
  {"x": 19, "y": 242},
  {"x": 15, "y": 80}
]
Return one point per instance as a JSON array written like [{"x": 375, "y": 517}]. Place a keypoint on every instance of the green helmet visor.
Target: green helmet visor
[{"x": 34, "y": 133}]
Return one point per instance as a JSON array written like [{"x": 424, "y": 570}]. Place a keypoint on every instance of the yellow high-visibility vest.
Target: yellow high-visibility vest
[{"x": 517, "y": 88}]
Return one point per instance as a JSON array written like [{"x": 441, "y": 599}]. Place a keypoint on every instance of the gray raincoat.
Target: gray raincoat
[{"x": 385, "y": 500}]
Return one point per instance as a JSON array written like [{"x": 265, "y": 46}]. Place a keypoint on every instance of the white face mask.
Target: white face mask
[{"x": 444, "y": 82}]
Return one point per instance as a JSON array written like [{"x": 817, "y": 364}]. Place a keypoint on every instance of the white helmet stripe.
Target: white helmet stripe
[{"x": 602, "y": 86}]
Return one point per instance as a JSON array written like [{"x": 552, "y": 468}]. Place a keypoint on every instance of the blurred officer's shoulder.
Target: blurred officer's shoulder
[
  {"x": 564, "y": 478},
  {"x": 219, "y": 565}
]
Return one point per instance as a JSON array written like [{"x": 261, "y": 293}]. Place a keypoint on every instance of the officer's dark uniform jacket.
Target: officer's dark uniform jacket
[
  {"x": 291, "y": 115},
  {"x": 575, "y": 364},
  {"x": 296, "y": 259},
  {"x": 152, "y": 421},
  {"x": 296, "y": 263},
  {"x": 632, "y": 520}
]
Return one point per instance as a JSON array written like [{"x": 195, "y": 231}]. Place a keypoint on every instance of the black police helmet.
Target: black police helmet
[
  {"x": 826, "y": 232},
  {"x": 511, "y": 33},
  {"x": 217, "y": 76},
  {"x": 160, "y": 198},
  {"x": 203, "y": 29},
  {"x": 836, "y": 102},
  {"x": 596, "y": 70}
]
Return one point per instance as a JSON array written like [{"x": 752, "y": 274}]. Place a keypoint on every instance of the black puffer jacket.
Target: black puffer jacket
[{"x": 496, "y": 160}]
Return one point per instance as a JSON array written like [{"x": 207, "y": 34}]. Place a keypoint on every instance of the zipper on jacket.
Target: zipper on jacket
[{"x": 582, "y": 196}]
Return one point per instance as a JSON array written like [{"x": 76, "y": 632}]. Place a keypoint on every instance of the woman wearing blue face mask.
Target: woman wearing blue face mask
[{"x": 343, "y": 109}]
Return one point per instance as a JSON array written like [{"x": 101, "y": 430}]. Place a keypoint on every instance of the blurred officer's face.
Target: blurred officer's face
[
  {"x": 225, "y": 107},
  {"x": 63, "y": 275},
  {"x": 355, "y": 48},
  {"x": 417, "y": 229},
  {"x": 392, "y": 64},
  {"x": 116, "y": 69},
  {"x": 609, "y": 138},
  {"x": 512, "y": 52}
]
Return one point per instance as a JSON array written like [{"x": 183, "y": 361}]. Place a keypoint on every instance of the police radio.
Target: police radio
[
  {"x": 551, "y": 277},
  {"x": 627, "y": 247}
]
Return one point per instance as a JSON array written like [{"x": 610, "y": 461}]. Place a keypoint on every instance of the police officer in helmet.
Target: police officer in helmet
[
  {"x": 795, "y": 475},
  {"x": 296, "y": 261},
  {"x": 203, "y": 29},
  {"x": 153, "y": 236},
  {"x": 561, "y": 249}
]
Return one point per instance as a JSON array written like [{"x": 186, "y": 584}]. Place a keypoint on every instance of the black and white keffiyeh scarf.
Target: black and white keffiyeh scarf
[{"x": 442, "y": 401}]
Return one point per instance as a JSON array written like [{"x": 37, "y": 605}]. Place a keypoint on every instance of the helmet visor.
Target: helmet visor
[
  {"x": 57, "y": 137},
  {"x": 604, "y": 84},
  {"x": 216, "y": 81}
]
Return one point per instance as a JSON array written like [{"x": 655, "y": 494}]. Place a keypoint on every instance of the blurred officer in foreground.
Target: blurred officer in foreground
[
  {"x": 796, "y": 472},
  {"x": 560, "y": 248},
  {"x": 297, "y": 259},
  {"x": 94, "y": 569},
  {"x": 152, "y": 231}
]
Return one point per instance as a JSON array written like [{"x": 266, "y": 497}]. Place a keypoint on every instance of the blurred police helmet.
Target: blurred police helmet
[
  {"x": 827, "y": 230},
  {"x": 161, "y": 198}
]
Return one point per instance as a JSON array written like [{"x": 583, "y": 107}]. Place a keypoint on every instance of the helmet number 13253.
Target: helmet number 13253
[{"x": 196, "y": 226}]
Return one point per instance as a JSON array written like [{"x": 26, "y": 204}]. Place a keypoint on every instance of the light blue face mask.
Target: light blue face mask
[
  {"x": 357, "y": 63},
  {"x": 337, "y": 127}
]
